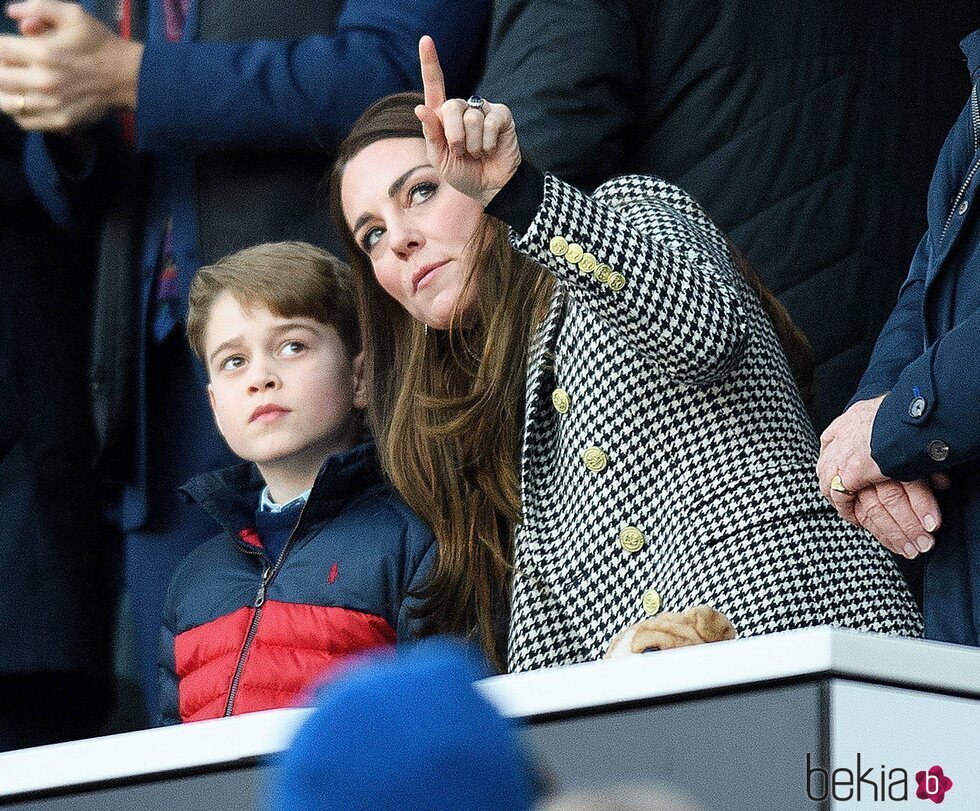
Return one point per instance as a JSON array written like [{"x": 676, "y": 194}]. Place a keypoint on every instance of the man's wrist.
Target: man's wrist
[{"x": 127, "y": 58}]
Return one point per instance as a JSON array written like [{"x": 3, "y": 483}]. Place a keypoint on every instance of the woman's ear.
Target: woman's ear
[{"x": 360, "y": 383}]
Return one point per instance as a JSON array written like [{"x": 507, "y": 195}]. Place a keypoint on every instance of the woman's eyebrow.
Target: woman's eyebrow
[
  {"x": 393, "y": 190},
  {"x": 396, "y": 187}
]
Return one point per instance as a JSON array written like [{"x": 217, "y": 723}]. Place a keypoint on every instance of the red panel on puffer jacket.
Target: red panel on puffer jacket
[{"x": 294, "y": 646}]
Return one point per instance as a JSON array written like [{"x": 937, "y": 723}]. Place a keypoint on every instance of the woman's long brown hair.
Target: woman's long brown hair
[{"x": 447, "y": 407}]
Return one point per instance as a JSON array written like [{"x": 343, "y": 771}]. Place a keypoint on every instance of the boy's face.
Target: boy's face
[{"x": 283, "y": 390}]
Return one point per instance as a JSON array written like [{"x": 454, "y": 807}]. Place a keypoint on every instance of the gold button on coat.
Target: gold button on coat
[
  {"x": 560, "y": 400},
  {"x": 595, "y": 459},
  {"x": 574, "y": 253},
  {"x": 651, "y": 602},
  {"x": 603, "y": 273},
  {"x": 587, "y": 263},
  {"x": 631, "y": 539},
  {"x": 617, "y": 281},
  {"x": 558, "y": 246}
]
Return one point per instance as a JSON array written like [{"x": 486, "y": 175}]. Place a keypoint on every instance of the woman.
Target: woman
[{"x": 601, "y": 404}]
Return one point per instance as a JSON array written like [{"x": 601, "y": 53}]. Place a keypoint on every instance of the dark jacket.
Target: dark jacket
[
  {"x": 926, "y": 359},
  {"x": 58, "y": 597},
  {"x": 806, "y": 131},
  {"x": 243, "y": 632},
  {"x": 235, "y": 128}
]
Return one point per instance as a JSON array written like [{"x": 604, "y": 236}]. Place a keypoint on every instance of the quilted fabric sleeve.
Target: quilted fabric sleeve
[
  {"x": 647, "y": 261},
  {"x": 410, "y": 626},
  {"x": 169, "y": 711}
]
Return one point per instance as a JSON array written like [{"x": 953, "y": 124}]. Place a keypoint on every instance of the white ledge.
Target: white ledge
[{"x": 735, "y": 665}]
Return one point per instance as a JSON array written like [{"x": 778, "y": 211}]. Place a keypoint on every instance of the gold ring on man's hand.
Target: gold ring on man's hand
[
  {"x": 837, "y": 485},
  {"x": 21, "y": 104}
]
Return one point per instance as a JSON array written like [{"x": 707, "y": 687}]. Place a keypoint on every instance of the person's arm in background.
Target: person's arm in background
[
  {"x": 298, "y": 94},
  {"x": 902, "y": 515},
  {"x": 568, "y": 61},
  {"x": 901, "y": 338},
  {"x": 877, "y": 447}
]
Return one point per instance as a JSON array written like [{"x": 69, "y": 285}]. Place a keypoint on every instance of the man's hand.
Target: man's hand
[
  {"x": 67, "y": 70},
  {"x": 845, "y": 466},
  {"x": 902, "y": 515}
]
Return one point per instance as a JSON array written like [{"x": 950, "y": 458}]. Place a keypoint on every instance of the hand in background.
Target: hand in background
[
  {"x": 902, "y": 515},
  {"x": 845, "y": 452},
  {"x": 475, "y": 150},
  {"x": 67, "y": 70},
  {"x": 672, "y": 630}
]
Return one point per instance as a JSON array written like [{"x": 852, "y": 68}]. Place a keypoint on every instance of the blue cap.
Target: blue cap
[{"x": 406, "y": 731}]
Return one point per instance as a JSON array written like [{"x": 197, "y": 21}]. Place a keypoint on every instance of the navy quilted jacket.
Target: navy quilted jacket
[{"x": 243, "y": 632}]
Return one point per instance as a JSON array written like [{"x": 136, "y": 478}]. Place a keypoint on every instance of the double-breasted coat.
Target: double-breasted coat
[{"x": 668, "y": 459}]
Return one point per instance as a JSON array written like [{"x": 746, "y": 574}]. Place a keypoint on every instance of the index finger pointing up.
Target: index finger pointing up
[{"x": 433, "y": 83}]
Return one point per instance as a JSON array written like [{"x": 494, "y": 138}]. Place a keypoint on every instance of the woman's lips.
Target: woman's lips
[{"x": 424, "y": 274}]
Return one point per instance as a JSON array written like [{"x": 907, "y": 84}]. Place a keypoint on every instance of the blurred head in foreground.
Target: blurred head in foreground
[{"x": 406, "y": 731}]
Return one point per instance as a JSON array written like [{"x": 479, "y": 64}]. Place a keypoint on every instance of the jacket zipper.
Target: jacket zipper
[
  {"x": 268, "y": 575},
  {"x": 975, "y": 110},
  {"x": 975, "y": 116}
]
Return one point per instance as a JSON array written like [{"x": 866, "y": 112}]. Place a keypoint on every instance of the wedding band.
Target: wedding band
[
  {"x": 476, "y": 102},
  {"x": 21, "y": 104},
  {"x": 837, "y": 485}
]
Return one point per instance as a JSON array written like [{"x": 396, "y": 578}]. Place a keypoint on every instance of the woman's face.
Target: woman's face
[{"x": 415, "y": 229}]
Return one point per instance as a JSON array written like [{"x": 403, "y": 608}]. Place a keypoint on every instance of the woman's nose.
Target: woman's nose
[{"x": 405, "y": 239}]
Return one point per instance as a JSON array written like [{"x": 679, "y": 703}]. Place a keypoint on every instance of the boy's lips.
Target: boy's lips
[
  {"x": 423, "y": 272},
  {"x": 267, "y": 412}
]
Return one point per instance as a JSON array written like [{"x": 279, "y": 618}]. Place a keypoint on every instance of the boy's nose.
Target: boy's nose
[{"x": 264, "y": 380}]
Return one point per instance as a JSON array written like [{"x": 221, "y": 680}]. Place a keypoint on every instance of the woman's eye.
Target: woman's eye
[
  {"x": 232, "y": 363},
  {"x": 291, "y": 348},
  {"x": 422, "y": 192},
  {"x": 370, "y": 238}
]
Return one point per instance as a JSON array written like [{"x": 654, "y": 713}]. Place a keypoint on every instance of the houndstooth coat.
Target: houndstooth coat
[{"x": 668, "y": 459}]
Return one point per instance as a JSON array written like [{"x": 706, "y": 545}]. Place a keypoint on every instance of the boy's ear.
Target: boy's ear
[
  {"x": 360, "y": 384},
  {"x": 214, "y": 409}
]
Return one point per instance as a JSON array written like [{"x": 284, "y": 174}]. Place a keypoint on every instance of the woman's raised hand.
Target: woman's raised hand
[{"x": 474, "y": 148}]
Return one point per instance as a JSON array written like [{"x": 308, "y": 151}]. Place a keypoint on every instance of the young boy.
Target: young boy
[{"x": 317, "y": 557}]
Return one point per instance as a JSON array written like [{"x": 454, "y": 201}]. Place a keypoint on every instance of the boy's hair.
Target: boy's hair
[{"x": 291, "y": 279}]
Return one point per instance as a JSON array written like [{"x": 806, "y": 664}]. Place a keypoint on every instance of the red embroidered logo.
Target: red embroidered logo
[
  {"x": 251, "y": 537},
  {"x": 333, "y": 574},
  {"x": 933, "y": 784}
]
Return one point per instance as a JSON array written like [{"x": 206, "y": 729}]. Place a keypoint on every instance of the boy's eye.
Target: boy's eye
[
  {"x": 291, "y": 348},
  {"x": 232, "y": 363},
  {"x": 421, "y": 192},
  {"x": 371, "y": 238}
]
